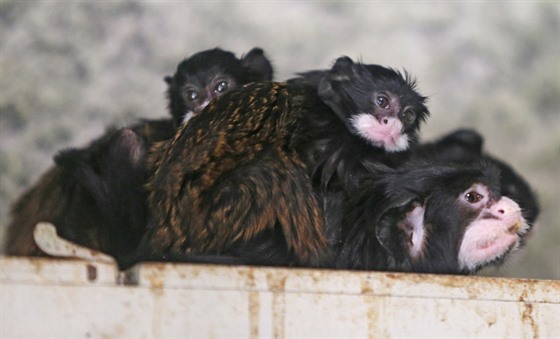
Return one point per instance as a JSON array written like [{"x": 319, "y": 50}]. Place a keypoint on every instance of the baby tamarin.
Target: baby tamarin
[
  {"x": 208, "y": 74},
  {"x": 239, "y": 179}
]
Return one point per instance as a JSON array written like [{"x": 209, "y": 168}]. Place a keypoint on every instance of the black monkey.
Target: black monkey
[
  {"x": 379, "y": 106},
  {"x": 237, "y": 179},
  {"x": 93, "y": 195},
  {"x": 431, "y": 218},
  {"x": 210, "y": 73}
]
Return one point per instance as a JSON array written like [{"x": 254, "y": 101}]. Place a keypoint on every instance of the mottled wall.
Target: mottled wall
[{"x": 68, "y": 69}]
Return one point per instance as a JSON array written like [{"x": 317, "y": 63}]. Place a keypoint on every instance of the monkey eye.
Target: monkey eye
[
  {"x": 473, "y": 197},
  {"x": 408, "y": 116},
  {"x": 192, "y": 95},
  {"x": 221, "y": 87},
  {"x": 382, "y": 101}
]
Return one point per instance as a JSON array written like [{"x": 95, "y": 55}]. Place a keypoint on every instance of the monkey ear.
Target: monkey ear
[
  {"x": 71, "y": 158},
  {"x": 328, "y": 95},
  {"x": 341, "y": 71},
  {"x": 467, "y": 138},
  {"x": 400, "y": 230},
  {"x": 256, "y": 60},
  {"x": 168, "y": 79},
  {"x": 413, "y": 229},
  {"x": 79, "y": 164},
  {"x": 127, "y": 145}
]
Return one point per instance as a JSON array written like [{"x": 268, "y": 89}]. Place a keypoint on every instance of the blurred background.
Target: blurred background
[{"x": 70, "y": 69}]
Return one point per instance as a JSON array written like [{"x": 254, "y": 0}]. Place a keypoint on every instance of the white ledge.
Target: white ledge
[{"x": 47, "y": 297}]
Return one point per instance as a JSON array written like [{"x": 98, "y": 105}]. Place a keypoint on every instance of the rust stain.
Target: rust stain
[
  {"x": 278, "y": 314},
  {"x": 254, "y": 304},
  {"x": 491, "y": 320},
  {"x": 158, "y": 312},
  {"x": 156, "y": 277},
  {"x": 277, "y": 285},
  {"x": 372, "y": 312},
  {"x": 37, "y": 264},
  {"x": 527, "y": 318},
  {"x": 523, "y": 296},
  {"x": 91, "y": 272},
  {"x": 276, "y": 281},
  {"x": 366, "y": 287},
  {"x": 376, "y": 310}
]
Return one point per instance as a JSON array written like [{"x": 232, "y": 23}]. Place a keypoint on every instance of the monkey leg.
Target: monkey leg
[{"x": 265, "y": 193}]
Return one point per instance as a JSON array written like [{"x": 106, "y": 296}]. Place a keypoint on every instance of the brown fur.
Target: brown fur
[
  {"x": 48, "y": 200},
  {"x": 226, "y": 178}
]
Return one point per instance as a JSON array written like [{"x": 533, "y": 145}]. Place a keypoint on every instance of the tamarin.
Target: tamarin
[
  {"x": 210, "y": 73},
  {"x": 429, "y": 217}
]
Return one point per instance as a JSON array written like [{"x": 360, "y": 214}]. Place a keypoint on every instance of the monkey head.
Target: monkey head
[
  {"x": 495, "y": 229},
  {"x": 465, "y": 146},
  {"x": 459, "y": 225},
  {"x": 210, "y": 73},
  {"x": 376, "y": 103},
  {"x": 434, "y": 219}
]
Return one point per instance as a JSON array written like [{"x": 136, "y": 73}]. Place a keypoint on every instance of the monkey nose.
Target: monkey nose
[
  {"x": 384, "y": 120},
  {"x": 506, "y": 206}
]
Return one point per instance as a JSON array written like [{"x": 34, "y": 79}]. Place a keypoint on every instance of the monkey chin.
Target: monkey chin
[
  {"x": 387, "y": 134},
  {"x": 396, "y": 145},
  {"x": 188, "y": 116},
  {"x": 479, "y": 250}
]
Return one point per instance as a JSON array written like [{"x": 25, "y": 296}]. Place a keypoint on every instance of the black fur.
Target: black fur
[
  {"x": 93, "y": 195},
  {"x": 371, "y": 238},
  {"x": 337, "y": 152}
]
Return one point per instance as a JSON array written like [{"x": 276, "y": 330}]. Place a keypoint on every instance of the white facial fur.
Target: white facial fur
[
  {"x": 494, "y": 232},
  {"x": 191, "y": 114},
  {"x": 187, "y": 117},
  {"x": 386, "y": 134},
  {"x": 415, "y": 231}
]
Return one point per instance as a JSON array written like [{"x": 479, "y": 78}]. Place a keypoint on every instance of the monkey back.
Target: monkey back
[{"x": 234, "y": 172}]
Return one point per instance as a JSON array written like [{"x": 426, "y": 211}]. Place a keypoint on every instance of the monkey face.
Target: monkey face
[
  {"x": 209, "y": 74},
  {"x": 384, "y": 125},
  {"x": 200, "y": 88},
  {"x": 376, "y": 103},
  {"x": 496, "y": 230},
  {"x": 431, "y": 218},
  {"x": 475, "y": 230}
]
